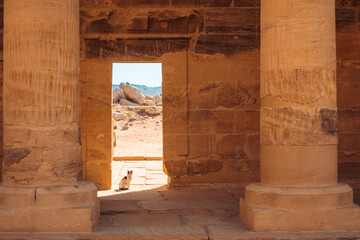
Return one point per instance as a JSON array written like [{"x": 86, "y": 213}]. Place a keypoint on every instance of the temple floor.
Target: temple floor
[{"x": 149, "y": 210}]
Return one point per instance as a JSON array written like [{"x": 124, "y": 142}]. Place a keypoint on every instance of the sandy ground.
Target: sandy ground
[{"x": 138, "y": 133}]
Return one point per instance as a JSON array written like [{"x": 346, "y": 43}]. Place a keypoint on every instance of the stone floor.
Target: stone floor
[
  {"x": 151, "y": 211},
  {"x": 145, "y": 174}
]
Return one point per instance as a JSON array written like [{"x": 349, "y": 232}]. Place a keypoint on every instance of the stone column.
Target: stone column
[
  {"x": 299, "y": 189},
  {"x": 42, "y": 187}
]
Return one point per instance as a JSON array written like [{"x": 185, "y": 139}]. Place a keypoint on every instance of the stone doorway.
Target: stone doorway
[{"x": 137, "y": 122}]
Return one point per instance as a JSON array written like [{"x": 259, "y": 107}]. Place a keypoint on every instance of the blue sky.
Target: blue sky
[{"x": 149, "y": 74}]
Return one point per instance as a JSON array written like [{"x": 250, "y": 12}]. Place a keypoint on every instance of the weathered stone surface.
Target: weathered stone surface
[
  {"x": 175, "y": 168},
  {"x": 176, "y": 21},
  {"x": 346, "y": 20},
  {"x": 204, "y": 166},
  {"x": 232, "y": 20},
  {"x": 205, "y": 121},
  {"x": 175, "y": 146},
  {"x": 298, "y": 126},
  {"x": 247, "y": 122},
  {"x": 347, "y": 3},
  {"x": 247, "y": 3},
  {"x": 50, "y": 99},
  {"x": 201, "y": 3},
  {"x": 156, "y": 47},
  {"x": 226, "y": 44},
  {"x": 102, "y": 48},
  {"x": 201, "y": 146},
  {"x": 301, "y": 86},
  {"x": 231, "y": 146}
]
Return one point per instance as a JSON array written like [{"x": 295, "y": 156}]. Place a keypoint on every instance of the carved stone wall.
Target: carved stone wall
[{"x": 210, "y": 55}]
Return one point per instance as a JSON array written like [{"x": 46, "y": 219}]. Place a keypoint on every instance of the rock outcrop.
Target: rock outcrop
[
  {"x": 158, "y": 100},
  {"x": 133, "y": 94},
  {"x": 118, "y": 94}
]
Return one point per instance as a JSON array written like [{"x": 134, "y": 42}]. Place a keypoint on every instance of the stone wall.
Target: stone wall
[
  {"x": 348, "y": 86},
  {"x": 210, "y": 55}
]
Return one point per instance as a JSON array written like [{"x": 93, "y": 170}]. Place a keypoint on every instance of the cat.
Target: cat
[{"x": 125, "y": 181}]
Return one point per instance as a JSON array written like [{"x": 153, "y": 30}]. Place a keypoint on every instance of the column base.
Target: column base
[
  {"x": 268, "y": 208},
  {"x": 70, "y": 208}
]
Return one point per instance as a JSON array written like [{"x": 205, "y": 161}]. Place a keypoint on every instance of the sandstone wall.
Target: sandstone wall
[
  {"x": 348, "y": 86},
  {"x": 210, "y": 55}
]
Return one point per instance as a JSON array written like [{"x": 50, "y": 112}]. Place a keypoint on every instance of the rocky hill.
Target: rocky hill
[{"x": 128, "y": 95}]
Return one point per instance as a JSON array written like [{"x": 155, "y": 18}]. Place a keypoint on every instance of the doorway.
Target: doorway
[{"x": 137, "y": 124}]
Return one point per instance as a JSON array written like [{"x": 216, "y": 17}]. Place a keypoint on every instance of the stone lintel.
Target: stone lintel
[{"x": 71, "y": 208}]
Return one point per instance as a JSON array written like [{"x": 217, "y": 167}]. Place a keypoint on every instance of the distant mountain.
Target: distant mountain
[{"x": 150, "y": 91}]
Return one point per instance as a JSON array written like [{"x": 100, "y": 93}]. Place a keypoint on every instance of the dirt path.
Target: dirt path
[{"x": 138, "y": 133}]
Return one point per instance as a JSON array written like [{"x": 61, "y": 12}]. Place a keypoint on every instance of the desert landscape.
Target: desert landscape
[{"x": 137, "y": 119}]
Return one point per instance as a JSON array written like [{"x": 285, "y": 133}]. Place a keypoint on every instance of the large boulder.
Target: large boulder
[
  {"x": 124, "y": 102},
  {"x": 158, "y": 100},
  {"x": 118, "y": 94},
  {"x": 149, "y": 103},
  {"x": 132, "y": 93}
]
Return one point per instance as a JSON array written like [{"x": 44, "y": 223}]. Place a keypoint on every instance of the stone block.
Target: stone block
[
  {"x": 99, "y": 173},
  {"x": 98, "y": 147},
  {"x": 349, "y": 171},
  {"x": 174, "y": 99},
  {"x": 244, "y": 165},
  {"x": 151, "y": 3},
  {"x": 207, "y": 121},
  {"x": 349, "y": 142},
  {"x": 202, "y": 121},
  {"x": 232, "y": 20},
  {"x": 204, "y": 166},
  {"x": 349, "y": 121},
  {"x": 176, "y": 168},
  {"x": 201, "y": 3},
  {"x": 138, "y": 24},
  {"x": 347, "y": 88},
  {"x": 252, "y": 146},
  {"x": 91, "y": 3},
  {"x": 100, "y": 26},
  {"x": 125, "y": 3},
  {"x": 231, "y": 146},
  {"x": 155, "y": 47},
  {"x": 213, "y": 95},
  {"x": 104, "y": 48},
  {"x": 247, "y": 3},
  {"x": 201, "y": 146},
  {"x": 346, "y": 20},
  {"x": 347, "y": 3},
  {"x": 175, "y": 146},
  {"x": 347, "y": 45},
  {"x": 176, "y": 21},
  {"x": 175, "y": 122},
  {"x": 267, "y": 208},
  {"x": 226, "y": 44},
  {"x": 99, "y": 121},
  {"x": 68, "y": 208},
  {"x": 247, "y": 122}
]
